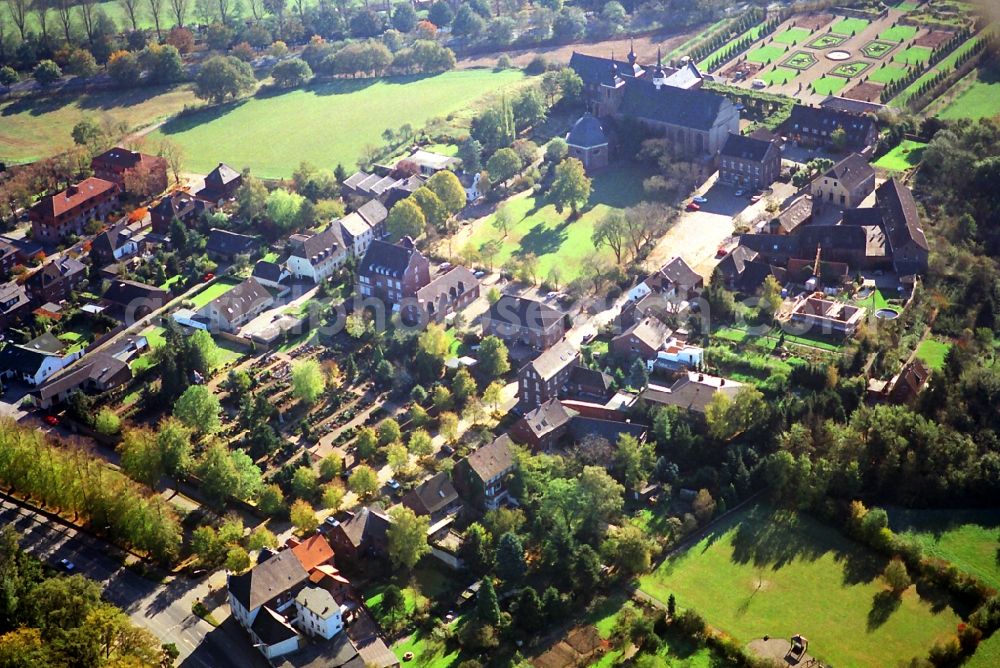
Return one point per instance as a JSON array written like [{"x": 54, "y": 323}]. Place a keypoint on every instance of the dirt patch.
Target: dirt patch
[
  {"x": 813, "y": 21},
  {"x": 866, "y": 92},
  {"x": 645, "y": 48},
  {"x": 934, "y": 38},
  {"x": 746, "y": 67}
]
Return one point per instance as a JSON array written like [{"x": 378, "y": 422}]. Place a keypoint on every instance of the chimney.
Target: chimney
[
  {"x": 722, "y": 381},
  {"x": 72, "y": 190}
]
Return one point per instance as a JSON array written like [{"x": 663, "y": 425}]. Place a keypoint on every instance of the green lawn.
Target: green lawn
[
  {"x": 327, "y": 123},
  {"x": 945, "y": 65},
  {"x": 849, "y": 26},
  {"x": 932, "y": 353},
  {"x": 270, "y": 257},
  {"x": 170, "y": 281},
  {"x": 887, "y": 74},
  {"x": 828, "y": 85},
  {"x": 913, "y": 55},
  {"x": 969, "y": 539},
  {"x": 766, "y": 54},
  {"x": 780, "y": 573},
  {"x": 220, "y": 287},
  {"x": 826, "y": 41},
  {"x": 155, "y": 335},
  {"x": 792, "y": 36},
  {"x": 781, "y": 75},
  {"x": 899, "y": 33},
  {"x": 37, "y": 127},
  {"x": 987, "y": 654},
  {"x": 979, "y": 100},
  {"x": 557, "y": 242},
  {"x": 905, "y": 156},
  {"x": 753, "y": 33}
]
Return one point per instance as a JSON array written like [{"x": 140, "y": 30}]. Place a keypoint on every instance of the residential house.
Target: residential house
[
  {"x": 483, "y": 476},
  {"x": 96, "y": 372},
  {"x": 746, "y": 162},
  {"x": 178, "y": 205},
  {"x": 272, "y": 634},
  {"x": 824, "y": 316},
  {"x": 55, "y": 217},
  {"x": 221, "y": 184},
  {"x": 693, "y": 391},
  {"x": 316, "y": 256},
  {"x": 223, "y": 245},
  {"x": 37, "y": 360},
  {"x": 56, "y": 280},
  {"x": 446, "y": 294},
  {"x": 586, "y": 384},
  {"x": 798, "y": 212},
  {"x": 392, "y": 272},
  {"x": 235, "y": 308},
  {"x": 543, "y": 427},
  {"x": 904, "y": 387},
  {"x": 643, "y": 340},
  {"x": 270, "y": 274},
  {"x": 588, "y": 143},
  {"x": 362, "y": 535},
  {"x": 375, "y": 214},
  {"x": 133, "y": 300},
  {"x": 430, "y": 163},
  {"x": 313, "y": 552},
  {"x": 14, "y": 303},
  {"x": 318, "y": 613},
  {"x": 435, "y": 497},
  {"x": 8, "y": 257},
  {"x": 846, "y": 184},
  {"x": 114, "y": 244},
  {"x": 814, "y": 126},
  {"x": 675, "y": 281},
  {"x": 526, "y": 321},
  {"x": 541, "y": 379},
  {"x": 903, "y": 230},
  {"x": 116, "y": 163},
  {"x": 582, "y": 428}
]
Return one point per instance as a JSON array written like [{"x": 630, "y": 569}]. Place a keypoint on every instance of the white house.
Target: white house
[
  {"x": 232, "y": 310},
  {"x": 316, "y": 256},
  {"x": 319, "y": 614},
  {"x": 37, "y": 360},
  {"x": 272, "y": 634},
  {"x": 357, "y": 233},
  {"x": 677, "y": 355}
]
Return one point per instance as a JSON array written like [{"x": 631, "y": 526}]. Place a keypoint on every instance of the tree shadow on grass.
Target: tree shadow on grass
[
  {"x": 345, "y": 86},
  {"x": 116, "y": 98},
  {"x": 38, "y": 106},
  {"x": 189, "y": 121},
  {"x": 543, "y": 240},
  {"x": 884, "y": 604}
]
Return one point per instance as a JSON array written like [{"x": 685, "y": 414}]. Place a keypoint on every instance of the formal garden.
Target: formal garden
[
  {"x": 876, "y": 49},
  {"x": 827, "y": 41},
  {"x": 850, "y": 70},
  {"x": 800, "y": 60}
]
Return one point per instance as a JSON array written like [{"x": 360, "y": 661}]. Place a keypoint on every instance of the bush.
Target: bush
[
  {"x": 46, "y": 72},
  {"x": 291, "y": 73},
  {"x": 538, "y": 65},
  {"x": 8, "y": 75}
]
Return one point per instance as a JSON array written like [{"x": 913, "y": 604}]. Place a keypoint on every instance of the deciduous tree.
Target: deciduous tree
[
  {"x": 407, "y": 537},
  {"x": 571, "y": 185}
]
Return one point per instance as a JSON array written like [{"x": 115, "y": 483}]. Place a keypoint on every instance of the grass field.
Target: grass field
[
  {"x": 753, "y": 33},
  {"x": 828, "y": 85},
  {"x": 781, "y": 75},
  {"x": 987, "y": 654},
  {"x": 792, "y": 36},
  {"x": 849, "y": 26},
  {"x": 35, "y": 128},
  {"x": 779, "y": 573},
  {"x": 980, "y": 98},
  {"x": 969, "y": 539},
  {"x": 765, "y": 54},
  {"x": 932, "y": 353},
  {"x": 539, "y": 229},
  {"x": 945, "y": 65},
  {"x": 899, "y": 33},
  {"x": 905, "y": 156},
  {"x": 327, "y": 123},
  {"x": 217, "y": 289},
  {"x": 913, "y": 55},
  {"x": 887, "y": 74}
]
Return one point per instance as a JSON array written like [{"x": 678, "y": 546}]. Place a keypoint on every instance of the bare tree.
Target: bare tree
[
  {"x": 300, "y": 7},
  {"x": 156, "y": 11},
  {"x": 131, "y": 8},
  {"x": 226, "y": 8},
  {"x": 180, "y": 9},
  {"x": 64, "y": 10},
  {"x": 256, "y": 9},
  {"x": 174, "y": 156},
  {"x": 19, "y": 15},
  {"x": 88, "y": 11},
  {"x": 41, "y": 10}
]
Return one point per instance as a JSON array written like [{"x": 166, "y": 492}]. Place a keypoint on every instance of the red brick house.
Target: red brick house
[
  {"x": 220, "y": 184},
  {"x": 392, "y": 272},
  {"x": 446, "y": 294},
  {"x": 55, "y": 281},
  {"x": 115, "y": 163},
  {"x": 519, "y": 320},
  {"x": 541, "y": 379},
  {"x": 57, "y": 216}
]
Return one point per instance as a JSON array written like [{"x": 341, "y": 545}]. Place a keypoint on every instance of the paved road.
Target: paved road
[{"x": 163, "y": 609}]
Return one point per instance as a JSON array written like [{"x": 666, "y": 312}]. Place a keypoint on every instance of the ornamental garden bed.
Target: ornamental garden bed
[
  {"x": 850, "y": 70},
  {"x": 877, "y": 48},
  {"x": 800, "y": 60},
  {"x": 827, "y": 41}
]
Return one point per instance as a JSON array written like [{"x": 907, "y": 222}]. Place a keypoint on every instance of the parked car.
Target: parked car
[
  {"x": 699, "y": 199},
  {"x": 739, "y": 193},
  {"x": 722, "y": 252},
  {"x": 51, "y": 420},
  {"x": 331, "y": 522},
  {"x": 393, "y": 484},
  {"x": 756, "y": 198},
  {"x": 67, "y": 566},
  {"x": 479, "y": 274},
  {"x": 693, "y": 206},
  {"x": 207, "y": 277}
]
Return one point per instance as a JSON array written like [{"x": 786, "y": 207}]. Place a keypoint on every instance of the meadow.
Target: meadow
[
  {"x": 35, "y": 128},
  {"x": 326, "y": 123},
  {"x": 903, "y": 157},
  {"x": 556, "y": 241},
  {"x": 932, "y": 353},
  {"x": 968, "y": 539},
  {"x": 979, "y": 97},
  {"x": 764, "y": 571}
]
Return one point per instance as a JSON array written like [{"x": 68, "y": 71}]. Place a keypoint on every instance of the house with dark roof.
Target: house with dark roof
[
  {"x": 543, "y": 427},
  {"x": 588, "y": 143},
  {"x": 798, "y": 212},
  {"x": 814, "y": 126},
  {"x": 446, "y": 294},
  {"x": 221, "y": 184},
  {"x": 588, "y": 384},
  {"x": 362, "y": 535},
  {"x": 316, "y": 256},
  {"x": 846, "y": 184},
  {"x": 643, "y": 340},
  {"x": 133, "y": 300},
  {"x": 55, "y": 217},
  {"x": 225, "y": 245},
  {"x": 178, "y": 205},
  {"x": 674, "y": 281},
  {"x": 37, "y": 360},
  {"x": 693, "y": 391},
  {"x": 482, "y": 477},
  {"x": 582, "y": 427},
  {"x": 235, "y": 308},
  {"x": 392, "y": 272},
  {"x": 56, "y": 280},
  {"x": 374, "y": 213},
  {"x": 114, "y": 244},
  {"x": 97, "y": 372},
  {"x": 8, "y": 256},
  {"x": 746, "y": 162},
  {"x": 526, "y": 321},
  {"x": 114, "y": 164},
  {"x": 270, "y": 274},
  {"x": 14, "y": 303},
  {"x": 903, "y": 230},
  {"x": 541, "y": 379},
  {"x": 435, "y": 497}
]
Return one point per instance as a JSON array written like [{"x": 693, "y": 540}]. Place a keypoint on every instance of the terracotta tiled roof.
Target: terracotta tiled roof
[{"x": 74, "y": 196}]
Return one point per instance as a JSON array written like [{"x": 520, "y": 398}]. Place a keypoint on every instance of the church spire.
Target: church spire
[
  {"x": 614, "y": 65},
  {"x": 631, "y": 52},
  {"x": 659, "y": 73}
]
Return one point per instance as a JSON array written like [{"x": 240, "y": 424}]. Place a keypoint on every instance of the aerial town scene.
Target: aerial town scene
[{"x": 499, "y": 333}]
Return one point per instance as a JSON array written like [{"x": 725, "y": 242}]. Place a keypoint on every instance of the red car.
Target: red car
[
  {"x": 693, "y": 206},
  {"x": 722, "y": 252},
  {"x": 51, "y": 420},
  {"x": 207, "y": 277}
]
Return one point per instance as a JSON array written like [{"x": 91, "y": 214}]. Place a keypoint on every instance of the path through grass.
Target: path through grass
[
  {"x": 776, "y": 572},
  {"x": 326, "y": 123}
]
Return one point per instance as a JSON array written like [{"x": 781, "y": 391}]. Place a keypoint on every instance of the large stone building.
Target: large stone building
[
  {"x": 58, "y": 216},
  {"x": 747, "y": 162},
  {"x": 846, "y": 184},
  {"x": 117, "y": 163},
  {"x": 587, "y": 143}
]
